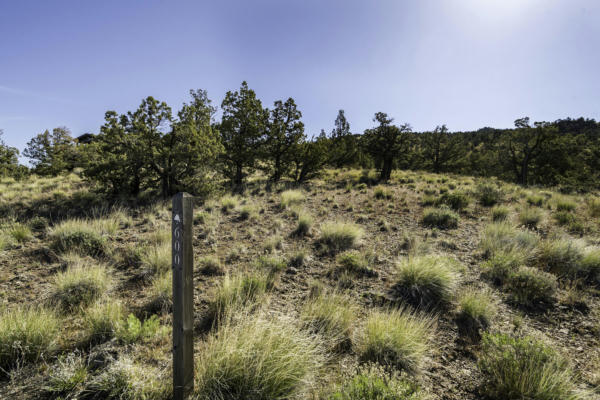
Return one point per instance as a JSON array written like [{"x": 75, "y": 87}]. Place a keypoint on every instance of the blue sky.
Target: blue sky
[{"x": 465, "y": 63}]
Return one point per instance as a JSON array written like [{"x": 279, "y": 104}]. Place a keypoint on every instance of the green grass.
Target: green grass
[
  {"x": 80, "y": 236},
  {"x": 488, "y": 195},
  {"x": 228, "y": 203},
  {"x": 426, "y": 281},
  {"x": 504, "y": 237},
  {"x": 457, "y": 201},
  {"x": 530, "y": 217},
  {"x": 210, "y": 265},
  {"x": 257, "y": 358},
  {"x": 235, "y": 293},
  {"x": 333, "y": 316},
  {"x": 499, "y": 266},
  {"x": 593, "y": 206},
  {"x": 381, "y": 192},
  {"x": 129, "y": 380},
  {"x": 157, "y": 259},
  {"x": 161, "y": 290},
  {"x": 531, "y": 288},
  {"x": 20, "y": 233},
  {"x": 564, "y": 218},
  {"x": 80, "y": 285},
  {"x": 442, "y": 218},
  {"x": 340, "y": 236},
  {"x": 102, "y": 319},
  {"x": 396, "y": 338},
  {"x": 374, "y": 383},
  {"x": 561, "y": 257},
  {"x": 290, "y": 198},
  {"x": 500, "y": 213},
  {"x": 590, "y": 266},
  {"x": 565, "y": 204},
  {"x": 26, "y": 335},
  {"x": 305, "y": 222},
  {"x": 525, "y": 368},
  {"x": 354, "y": 262},
  {"x": 476, "y": 309},
  {"x": 535, "y": 200},
  {"x": 247, "y": 212}
]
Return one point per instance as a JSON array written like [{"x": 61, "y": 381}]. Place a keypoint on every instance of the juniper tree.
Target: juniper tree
[{"x": 440, "y": 148}]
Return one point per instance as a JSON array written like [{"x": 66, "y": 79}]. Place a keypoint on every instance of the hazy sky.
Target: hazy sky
[{"x": 465, "y": 63}]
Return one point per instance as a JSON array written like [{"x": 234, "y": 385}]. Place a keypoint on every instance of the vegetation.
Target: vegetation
[
  {"x": 476, "y": 309},
  {"x": 80, "y": 285},
  {"x": 440, "y": 218},
  {"x": 427, "y": 281},
  {"x": 396, "y": 338},
  {"x": 340, "y": 236},
  {"x": 525, "y": 368}
]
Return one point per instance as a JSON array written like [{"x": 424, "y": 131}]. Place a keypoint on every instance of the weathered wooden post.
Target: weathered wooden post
[{"x": 183, "y": 296}]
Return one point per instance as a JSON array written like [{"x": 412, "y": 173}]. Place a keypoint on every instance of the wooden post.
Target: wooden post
[{"x": 183, "y": 296}]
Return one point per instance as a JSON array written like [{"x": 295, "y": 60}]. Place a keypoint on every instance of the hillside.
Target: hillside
[{"x": 421, "y": 276}]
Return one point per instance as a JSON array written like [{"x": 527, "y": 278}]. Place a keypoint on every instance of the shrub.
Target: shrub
[
  {"x": 291, "y": 197},
  {"x": 488, "y": 195},
  {"x": 530, "y": 287},
  {"x": 502, "y": 236},
  {"x": 332, "y": 316},
  {"x": 381, "y": 192},
  {"x": 340, "y": 236},
  {"x": 476, "y": 309},
  {"x": 376, "y": 384},
  {"x": 561, "y": 257},
  {"x": 354, "y": 262},
  {"x": 426, "y": 281},
  {"x": 78, "y": 236},
  {"x": 26, "y": 334},
  {"x": 524, "y": 368},
  {"x": 80, "y": 285},
  {"x": 237, "y": 292},
  {"x": 500, "y": 213},
  {"x": 535, "y": 200},
  {"x": 133, "y": 330},
  {"x": 210, "y": 265},
  {"x": 456, "y": 200},
  {"x": 102, "y": 319},
  {"x": 257, "y": 358},
  {"x": 499, "y": 267},
  {"x": 442, "y": 218},
  {"x": 396, "y": 338},
  {"x": 530, "y": 217}
]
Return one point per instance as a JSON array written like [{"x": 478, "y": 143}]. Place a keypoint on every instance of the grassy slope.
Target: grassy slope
[{"x": 392, "y": 231}]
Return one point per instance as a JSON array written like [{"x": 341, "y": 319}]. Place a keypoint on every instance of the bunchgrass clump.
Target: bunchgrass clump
[
  {"x": 531, "y": 288},
  {"x": 375, "y": 383},
  {"x": 259, "y": 358},
  {"x": 488, "y": 195},
  {"x": 561, "y": 257},
  {"x": 353, "y": 262},
  {"x": 476, "y": 309},
  {"x": 564, "y": 218},
  {"x": 68, "y": 375},
  {"x": 427, "y": 281},
  {"x": 381, "y": 192},
  {"x": 80, "y": 285},
  {"x": 247, "y": 212},
  {"x": 457, "y": 201},
  {"x": 78, "y": 236},
  {"x": 305, "y": 222},
  {"x": 590, "y": 266},
  {"x": 565, "y": 204},
  {"x": 211, "y": 265},
  {"x": 290, "y": 198},
  {"x": 442, "y": 218},
  {"x": 235, "y": 293},
  {"x": 340, "y": 236},
  {"x": 333, "y": 316},
  {"x": 102, "y": 319},
  {"x": 593, "y": 206},
  {"x": 504, "y": 237},
  {"x": 530, "y": 217},
  {"x": 161, "y": 291},
  {"x": 126, "y": 379},
  {"x": 273, "y": 243},
  {"x": 500, "y": 213},
  {"x": 228, "y": 203},
  {"x": 157, "y": 259},
  {"x": 26, "y": 335},
  {"x": 535, "y": 200},
  {"x": 395, "y": 338},
  {"x": 525, "y": 368},
  {"x": 503, "y": 263},
  {"x": 20, "y": 233}
]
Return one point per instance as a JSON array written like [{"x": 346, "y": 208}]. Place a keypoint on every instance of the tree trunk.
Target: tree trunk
[{"x": 386, "y": 170}]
